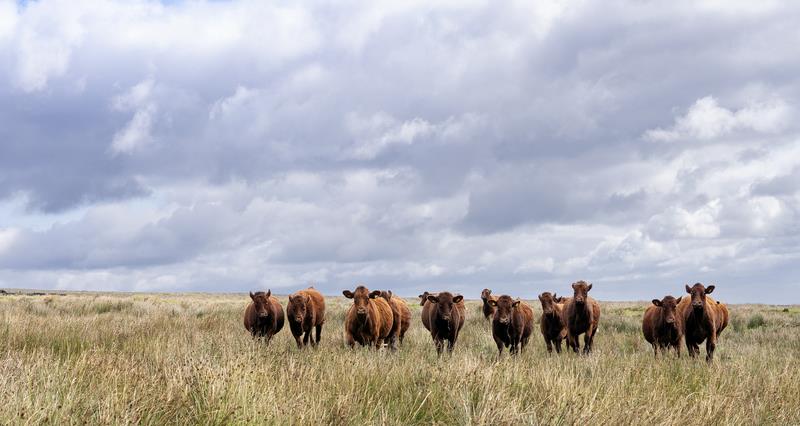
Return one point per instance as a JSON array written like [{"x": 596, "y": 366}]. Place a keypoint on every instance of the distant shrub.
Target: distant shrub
[
  {"x": 755, "y": 321},
  {"x": 737, "y": 322}
]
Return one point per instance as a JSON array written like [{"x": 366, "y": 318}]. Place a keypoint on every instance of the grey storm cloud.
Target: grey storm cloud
[{"x": 232, "y": 145}]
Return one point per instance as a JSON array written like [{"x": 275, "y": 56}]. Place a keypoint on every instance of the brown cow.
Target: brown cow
[
  {"x": 703, "y": 319},
  {"x": 552, "y": 324},
  {"x": 486, "y": 296},
  {"x": 401, "y": 318},
  {"x": 445, "y": 318},
  {"x": 263, "y": 316},
  {"x": 582, "y": 314},
  {"x": 427, "y": 307},
  {"x": 369, "y": 321},
  {"x": 306, "y": 310},
  {"x": 662, "y": 326},
  {"x": 512, "y": 324}
]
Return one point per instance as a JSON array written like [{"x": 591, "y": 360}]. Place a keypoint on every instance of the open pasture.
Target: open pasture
[{"x": 187, "y": 359}]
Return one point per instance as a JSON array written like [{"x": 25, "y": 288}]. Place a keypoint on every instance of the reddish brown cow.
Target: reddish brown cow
[
  {"x": 703, "y": 319},
  {"x": 306, "y": 310},
  {"x": 582, "y": 314},
  {"x": 427, "y": 307},
  {"x": 263, "y": 316},
  {"x": 488, "y": 309},
  {"x": 552, "y": 324},
  {"x": 401, "y": 318},
  {"x": 369, "y": 321},
  {"x": 662, "y": 326},
  {"x": 445, "y": 318},
  {"x": 512, "y": 324}
]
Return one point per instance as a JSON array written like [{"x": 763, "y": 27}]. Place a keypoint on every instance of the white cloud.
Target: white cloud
[
  {"x": 707, "y": 120},
  {"x": 137, "y": 133}
]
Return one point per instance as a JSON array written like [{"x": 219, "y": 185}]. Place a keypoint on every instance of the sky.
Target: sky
[{"x": 228, "y": 146}]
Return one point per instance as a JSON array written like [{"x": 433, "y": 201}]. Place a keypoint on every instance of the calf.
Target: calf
[
  {"x": 445, "y": 318},
  {"x": 306, "y": 310},
  {"x": 581, "y": 314},
  {"x": 662, "y": 326},
  {"x": 703, "y": 319},
  {"x": 488, "y": 309},
  {"x": 401, "y": 318},
  {"x": 512, "y": 324},
  {"x": 369, "y": 320},
  {"x": 552, "y": 324},
  {"x": 263, "y": 317}
]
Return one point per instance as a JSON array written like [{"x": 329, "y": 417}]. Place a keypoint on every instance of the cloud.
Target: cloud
[
  {"x": 706, "y": 120},
  {"x": 235, "y": 145}
]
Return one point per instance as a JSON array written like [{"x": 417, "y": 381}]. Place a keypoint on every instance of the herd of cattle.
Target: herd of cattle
[{"x": 378, "y": 317}]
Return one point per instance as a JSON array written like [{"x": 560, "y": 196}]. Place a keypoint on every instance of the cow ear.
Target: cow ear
[
  {"x": 252, "y": 296},
  {"x": 678, "y": 300},
  {"x": 516, "y": 303},
  {"x": 589, "y": 287},
  {"x": 555, "y": 297},
  {"x": 433, "y": 299},
  {"x": 374, "y": 294},
  {"x": 390, "y": 294},
  {"x": 573, "y": 286},
  {"x": 348, "y": 294},
  {"x": 709, "y": 289},
  {"x": 657, "y": 302},
  {"x": 492, "y": 302},
  {"x": 540, "y": 297},
  {"x": 269, "y": 293},
  {"x": 488, "y": 291},
  {"x": 458, "y": 299},
  {"x": 688, "y": 289}
]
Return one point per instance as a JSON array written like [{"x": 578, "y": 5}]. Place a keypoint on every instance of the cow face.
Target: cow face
[
  {"x": 361, "y": 299},
  {"x": 261, "y": 303},
  {"x": 504, "y": 308},
  {"x": 581, "y": 289},
  {"x": 424, "y": 298},
  {"x": 485, "y": 294},
  {"x": 698, "y": 294},
  {"x": 548, "y": 303},
  {"x": 668, "y": 306},
  {"x": 300, "y": 303},
  {"x": 444, "y": 304}
]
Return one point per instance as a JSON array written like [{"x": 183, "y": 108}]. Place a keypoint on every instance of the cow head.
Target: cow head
[
  {"x": 581, "y": 289},
  {"x": 361, "y": 298},
  {"x": 300, "y": 303},
  {"x": 444, "y": 304},
  {"x": 387, "y": 294},
  {"x": 698, "y": 293},
  {"x": 485, "y": 294},
  {"x": 261, "y": 303},
  {"x": 423, "y": 298},
  {"x": 668, "y": 305},
  {"x": 504, "y": 307},
  {"x": 549, "y": 303}
]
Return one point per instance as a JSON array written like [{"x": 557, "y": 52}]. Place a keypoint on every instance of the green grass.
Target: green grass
[{"x": 186, "y": 359}]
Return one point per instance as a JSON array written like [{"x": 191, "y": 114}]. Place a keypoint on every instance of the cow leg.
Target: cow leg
[
  {"x": 558, "y": 345},
  {"x": 349, "y": 340},
  {"x": 572, "y": 342},
  {"x": 307, "y": 337},
  {"x": 711, "y": 344},
  {"x": 677, "y": 347},
  {"x": 549, "y": 344},
  {"x": 319, "y": 332},
  {"x": 451, "y": 344},
  {"x": 439, "y": 345},
  {"x": 298, "y": 341},
  {"x": 588, "y": 340}
]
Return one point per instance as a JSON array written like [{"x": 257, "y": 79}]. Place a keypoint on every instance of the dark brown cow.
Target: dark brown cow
[
  {"x": 703, "y": 319},
  {"x": 552, "y": 324},
  {"x": 512, "y": 324},
  {"x": 427, "y": 307},
  {"x": 305, "y": 311},
  {"x": 445, "y": 318},
  {"x": 401, "y": 318},
  {"x": 263, "y": 316},
  {"x": 582, "y": 314},
  {"x": 486, "y": 296},
  {"x": 662, "y": 326},
  {"x": 369, "y": 320}
]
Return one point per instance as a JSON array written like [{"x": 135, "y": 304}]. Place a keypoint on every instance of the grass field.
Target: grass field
[{"x": 186, "y": 359}]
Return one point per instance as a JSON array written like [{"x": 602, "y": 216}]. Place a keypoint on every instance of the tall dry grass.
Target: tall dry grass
[{"x": 186, "y": 359}]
